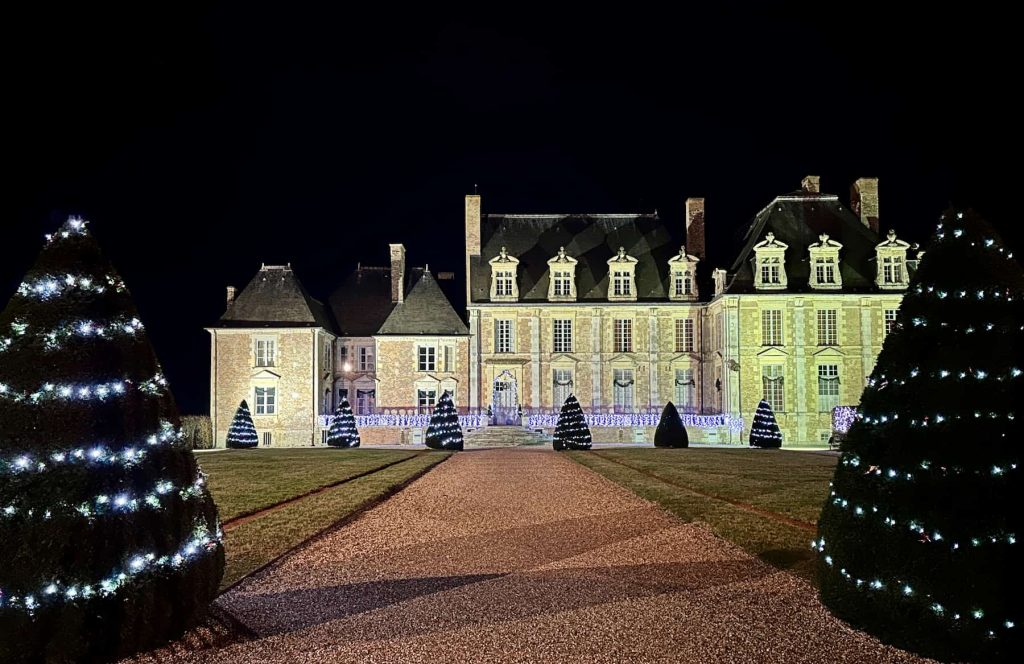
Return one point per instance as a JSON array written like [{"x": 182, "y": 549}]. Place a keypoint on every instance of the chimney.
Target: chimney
[
  {"x": 864, "y": 201},
  {"x": 472, "y": 235},
  {"x": 231, "y": 295},
  {"x": 397, "y": 273},
  {"x": 811, "y": 184},
  {"x": 695, "y": 227}
]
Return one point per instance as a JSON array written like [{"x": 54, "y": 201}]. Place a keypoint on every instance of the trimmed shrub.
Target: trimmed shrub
[{"x": 670, "y": 431}]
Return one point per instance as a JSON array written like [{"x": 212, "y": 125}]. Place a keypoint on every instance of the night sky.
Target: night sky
[{"x": 200, "y": 143}]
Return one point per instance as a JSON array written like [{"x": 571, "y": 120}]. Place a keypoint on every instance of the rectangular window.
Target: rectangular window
[
  {"x": 686, "y": 389},
  {"x": 771, "y": 327},
  {"x": 683, "y": 284},
  {"x": 342, "y": 394},
  {"x": 770, "y": 270},
  {"x": 892, "y": 270},
  {"x": 449, "y": 359},
  {"x": 561, "y": 386},
  {"x": 621, "y": 283},
  {"x": 266, "y": 352},
  {"x": 827, "y": 332},
  {"x": 502, "y": 336},
  {"x": 828, "y": 387},
  {"x": 684, "y": 335},
  {"x": 825, "y": 270},
  {"x": 266, "y": 400},
  {"x": 425, "y": 401},
  {"x": 503, "y": 282},
  {"x": 562, "y": 335},
  {"x": 563, "y": 283},
  {"x": 366, "y": 400},
  {"x": 268, "y": 439},
  {"x": 427, "y": 356},
  {"x": 890, "y": 320},
  {"x": 366, "y": 359},
  {"x": 622, "y": 390},
  {"x": 771, "y": 379},
  {"x": 623, "y": 335}
]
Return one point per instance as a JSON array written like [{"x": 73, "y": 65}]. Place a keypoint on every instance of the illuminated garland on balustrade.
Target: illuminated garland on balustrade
[
  {"x": 85, "y": 329},
  {"x": 58, "y": 591},
  {"x": 843, "y": 418},
  {"x": 902, "y": 590},
  {"x": 926, "y": 535},
  {"x": 644, "y": 420},
  {"x": 104, "y": 504},
  {"x": 78, "y": 391},
  {"x": 98, "y": 454}
]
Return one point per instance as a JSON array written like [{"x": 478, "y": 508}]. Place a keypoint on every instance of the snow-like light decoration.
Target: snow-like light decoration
[
  {"x": 843, "y": 418},
  {"x": 104, "y": 504},
  {"x": 48, "y": 287},
  {"x": 96, "y": 453},
  {"x": 905, "y": 592},
  {"x": 85, "y": 391},
  {"x": 60, "y": 591},
  {"x": 549, "y": 420}
]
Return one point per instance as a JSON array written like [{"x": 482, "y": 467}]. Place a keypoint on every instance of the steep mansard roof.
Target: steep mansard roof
[
  {"x": 798, "y": 219},
  {"x": 425, "y": 310},
  {"x": 362, "y": 303},
  {"x": 275, "y": 298},
  {"x": 589, "y": 238}
]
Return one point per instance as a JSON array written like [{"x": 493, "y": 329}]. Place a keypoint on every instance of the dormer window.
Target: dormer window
[
  {"x": 682, "y": 276},
  {"x": 770, "y": 264},
  {"x": 825, "y": 264},
  {"x": 562, "y": 271},
  {"x": 503, "y": 277},
  {"x": 622, "y": 277},
  {"x": 891, "y": 255}
]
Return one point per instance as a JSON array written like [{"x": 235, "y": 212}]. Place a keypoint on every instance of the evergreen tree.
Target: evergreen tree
[
  {"x": 917, "y": 541},
  {"x": 111, "y": 542},
  {"x": 764, "y": 430},
  {"x": 445, "y": 432},
  {"x": 670, "y": 431},
  {"x": 571, "y": 430},
  {"x": 342, "y": 432},
  {"x": 242, "y": 432}
]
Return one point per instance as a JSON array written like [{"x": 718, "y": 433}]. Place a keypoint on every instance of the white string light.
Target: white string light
[
  {"x": 127, "y": 455},
  {"x": 85, "y": 329},
  {"x": 84, "y": 391},
  {"x": 924, "y": 468},
  {"x": 48, "y": 287}
]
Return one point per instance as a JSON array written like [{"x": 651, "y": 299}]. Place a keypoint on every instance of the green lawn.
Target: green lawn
[
  {"x": 788, "y": 485},
  {"x": 244, "y": 482}
]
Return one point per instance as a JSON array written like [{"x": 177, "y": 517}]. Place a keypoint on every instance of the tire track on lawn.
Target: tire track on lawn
[
  {"x": 245, "y": 518},
  {"x": 747, "y": 507}
]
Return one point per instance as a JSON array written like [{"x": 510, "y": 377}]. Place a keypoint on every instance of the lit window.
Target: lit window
[
  {"x": 771, "y": 327},
  {"x": 827, "y": 332},
  {"x": 772, "y": 382},
  {"x": 427, "y": 358},
  {"x": 266, "y": 352},
  {"x": 266, "y": 400},
  {"x": 828, "y": 387},
  {"x": 624, "y": 335},
  {"x": 502, "y": 336},
  {"x": 622, "y": 390},
  {"x": 562, "y": 335}
]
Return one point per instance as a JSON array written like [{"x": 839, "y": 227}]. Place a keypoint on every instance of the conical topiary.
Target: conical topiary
[
  {"x": 445, "y": 432},
  {"x": 242, "y": 432},
  {"x": 342, "y": 432},
  {"x": 764, "y": 430},
  {"x": 918, "y": 541},
  {"x": 670, "y": 431},
  {"x": 111, "y": 542},
  {"x": 571, "y": 430}
]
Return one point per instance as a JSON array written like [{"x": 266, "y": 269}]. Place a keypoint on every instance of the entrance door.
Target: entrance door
[{"x": 505, "y": 401}]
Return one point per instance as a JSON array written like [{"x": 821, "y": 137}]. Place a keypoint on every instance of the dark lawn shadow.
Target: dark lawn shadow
[{"x": 785, "y": 558}]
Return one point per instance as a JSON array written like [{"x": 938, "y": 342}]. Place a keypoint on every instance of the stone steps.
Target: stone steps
[{"x": 510, "y": 436}]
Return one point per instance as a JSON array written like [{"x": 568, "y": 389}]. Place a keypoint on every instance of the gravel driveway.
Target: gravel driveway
[{"x": 519, "y": 555}]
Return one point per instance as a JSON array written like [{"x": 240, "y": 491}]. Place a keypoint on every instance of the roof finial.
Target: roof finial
[
  {"x": 824, "y": 239},
  {"x": 475, "y": 191},
  {"x": 891, "y": 235},
  {"x": 426, "y": 268},
  {"x": 622, "y": 253}
]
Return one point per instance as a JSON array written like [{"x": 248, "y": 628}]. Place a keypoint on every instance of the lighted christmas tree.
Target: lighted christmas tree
[
  {"x": 342, "y": 432},
  {"x": 917, "y": 541},
  {"x": 444, "y": 432},
  {"x": 764, "y": 430},
  {"x": 242, "y": 432},
  {"x": 670, "y": 431},
  {"x": 571, "y": 430},
  {"x": 110, "y": 540}
]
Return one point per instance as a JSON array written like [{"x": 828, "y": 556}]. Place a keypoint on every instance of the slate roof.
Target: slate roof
[
  {"x": 589, "y": 238},
  {"x": 425, "y": 310},
  {"x": 275, "y": 298},
  {"x": 798, "y": 219},
  {"x": 362, "y": 303}
]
